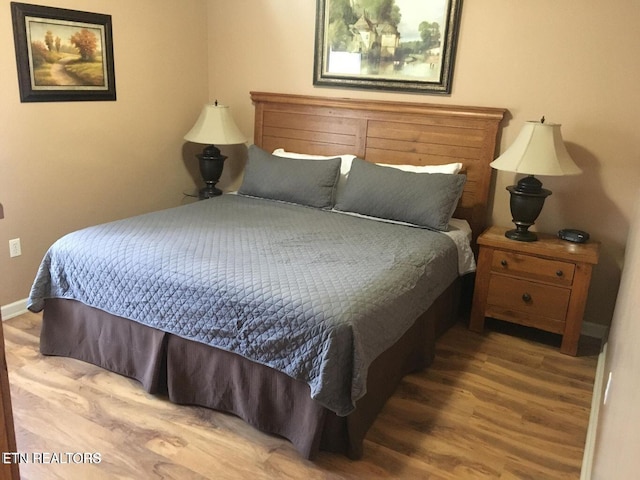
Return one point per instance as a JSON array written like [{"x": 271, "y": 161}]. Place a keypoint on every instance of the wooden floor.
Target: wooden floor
[{"x": 491, "y": 406}]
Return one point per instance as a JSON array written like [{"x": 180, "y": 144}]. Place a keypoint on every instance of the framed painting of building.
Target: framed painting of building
[
  {"x": 63, "y": 55},
  {"x": 401, "y": 45}
]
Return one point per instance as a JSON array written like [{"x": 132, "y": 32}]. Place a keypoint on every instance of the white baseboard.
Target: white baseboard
[
  {"x": 14, "y": 309},
  {"x": 596, "y": 402}
]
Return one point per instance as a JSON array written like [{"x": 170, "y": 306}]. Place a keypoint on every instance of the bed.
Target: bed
[{"x": 300, "y": 302}]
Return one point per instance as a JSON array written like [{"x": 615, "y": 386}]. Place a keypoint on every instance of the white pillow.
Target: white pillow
[
  {"x": 446, "y": 168},
  {"x": 345, "y": 166},
  {"x": 347, "y": 159}
]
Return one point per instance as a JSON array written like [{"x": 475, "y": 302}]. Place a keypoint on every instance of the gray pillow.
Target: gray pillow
[
  {"x": 290, "y": 180},
  {"x": 424, "y": 199}
]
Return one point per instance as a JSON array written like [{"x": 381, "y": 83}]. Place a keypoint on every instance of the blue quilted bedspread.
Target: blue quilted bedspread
[{"x": 315, "y": 294}]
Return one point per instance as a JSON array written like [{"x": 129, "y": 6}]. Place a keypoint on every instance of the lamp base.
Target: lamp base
[
  {"x": 211, "y": 163},
  {"x": 527, "y": 199},
  {"x": 521, "y": 234},
  {"x": 209, "y": 191}
]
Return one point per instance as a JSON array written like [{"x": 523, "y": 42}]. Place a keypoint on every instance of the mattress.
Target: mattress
[{"x": 311, "y": 293}]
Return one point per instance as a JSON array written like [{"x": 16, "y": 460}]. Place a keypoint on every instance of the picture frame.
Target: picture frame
[
  {"x": 399, "y": 45},
  {"x": 63, "y": 55}
]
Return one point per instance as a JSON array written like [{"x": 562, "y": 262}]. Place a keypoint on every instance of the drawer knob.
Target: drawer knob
[
  {"x": 526, "y": 297},
  {"x": 503, "y": 263},
  {"x": 559, "y": 273}
]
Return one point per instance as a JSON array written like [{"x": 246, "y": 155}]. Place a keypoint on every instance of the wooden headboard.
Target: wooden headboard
[{"x": 387, "y": 132}]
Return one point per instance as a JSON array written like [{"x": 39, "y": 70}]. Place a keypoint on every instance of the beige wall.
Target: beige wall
[
  {"x": 618, "y": 439},
  {"x": 67, "y": 165},
  {"x": 574, "y": 63}
]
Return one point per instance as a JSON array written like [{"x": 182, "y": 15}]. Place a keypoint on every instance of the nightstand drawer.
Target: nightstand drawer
[
  {"x": 526, "y": 266},
  {"x": 530, "y": 298}
]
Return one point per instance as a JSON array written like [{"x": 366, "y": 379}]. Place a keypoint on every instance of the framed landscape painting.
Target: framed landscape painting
[
  {"x": 63, "y": 55},
  {"x": 402, "y": 45}
]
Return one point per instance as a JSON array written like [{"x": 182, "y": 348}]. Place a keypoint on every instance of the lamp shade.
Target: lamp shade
[
  {"x": 538, "y": 150},
  {"x": 215, "y": 126}
]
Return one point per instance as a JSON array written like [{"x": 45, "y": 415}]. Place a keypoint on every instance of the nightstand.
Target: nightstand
[{"x": 542, "y": 284}]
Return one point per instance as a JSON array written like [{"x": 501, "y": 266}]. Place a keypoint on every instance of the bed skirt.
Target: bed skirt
[{"x": 193, "y": 373}]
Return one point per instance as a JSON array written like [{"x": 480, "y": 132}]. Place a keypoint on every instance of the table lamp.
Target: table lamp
[
  {"x": 214, "y": 126},
  {"x": 538, "y": 150}
]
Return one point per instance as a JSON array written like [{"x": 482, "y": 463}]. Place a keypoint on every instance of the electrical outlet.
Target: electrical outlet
[{"x": 15, "y": 250}]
